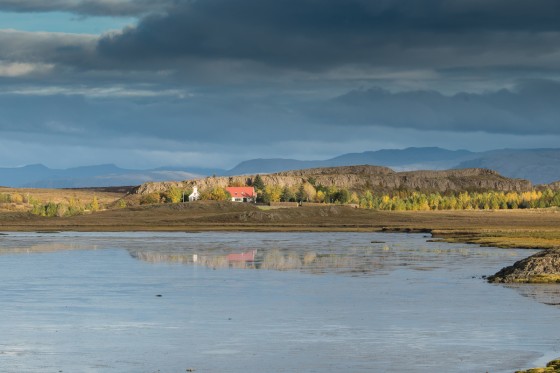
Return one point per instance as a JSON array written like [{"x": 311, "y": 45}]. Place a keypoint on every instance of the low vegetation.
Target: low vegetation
[{"x": 58, "y": 202}]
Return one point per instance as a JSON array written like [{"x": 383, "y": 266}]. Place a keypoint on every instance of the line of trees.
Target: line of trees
[
  {"x": 177, "y": 195},
  {"x": 71, "y": 207},
  {"x": 401, "y": 200},
  {"x": 461, "y": 201}
]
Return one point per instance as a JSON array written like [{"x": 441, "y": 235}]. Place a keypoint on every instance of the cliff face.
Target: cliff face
[
  {"x": 554, "y": 186},
  {"x": 365, "y": 177}
]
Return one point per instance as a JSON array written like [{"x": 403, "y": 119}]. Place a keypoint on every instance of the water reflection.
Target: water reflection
[
  {"x": 542, "y": 293},
  {"x": 347, "y": 254},
  {"x": 273, "y": 259},
  {"x": 71, "y": 310},
  {"x": 363, "y": 260},
  {"x": 48, "y": 247}
]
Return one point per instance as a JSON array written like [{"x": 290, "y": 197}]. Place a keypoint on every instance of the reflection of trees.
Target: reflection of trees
[
  {"x": 43, "y": 248},
  {"x": 157, "y": 257},
  {"x": 274, "y": 259},
  {"x": 211, "y": 261}
]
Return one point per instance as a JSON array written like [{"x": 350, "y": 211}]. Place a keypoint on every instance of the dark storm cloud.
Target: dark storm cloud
[
  {"x": 531, "y": 108},
  {"x": 312, "y": 34},
  {"x": 225, "y": 39},
  {"x": 88, "y": 7},
  {"x": 79, "y": 119},
  {"x": 261, "y": 74}
]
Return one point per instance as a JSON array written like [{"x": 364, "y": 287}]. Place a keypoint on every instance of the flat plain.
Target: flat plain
[{"x": 529, "y": 228}]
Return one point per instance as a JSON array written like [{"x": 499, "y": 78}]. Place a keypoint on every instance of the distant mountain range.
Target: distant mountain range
[
  {"x": 40, "y": 176},
  {"x": 540, "y": 166},
  {"x": 409, "y": 159}
]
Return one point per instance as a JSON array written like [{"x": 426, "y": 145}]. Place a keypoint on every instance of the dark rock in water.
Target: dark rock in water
[
  {"x": 552, "y": 367},
  {"x": 543, "y": 267}
]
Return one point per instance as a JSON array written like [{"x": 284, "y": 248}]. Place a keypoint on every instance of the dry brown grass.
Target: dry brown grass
[{"x": 520, "y": 228}]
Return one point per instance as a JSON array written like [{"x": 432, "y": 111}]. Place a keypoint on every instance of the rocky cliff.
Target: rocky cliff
[
  {"x": 364, "y": 177},
  {"x": 554, "y": 186}
]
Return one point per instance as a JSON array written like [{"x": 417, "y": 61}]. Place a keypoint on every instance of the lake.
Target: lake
[{"x": 266, "y": 302}]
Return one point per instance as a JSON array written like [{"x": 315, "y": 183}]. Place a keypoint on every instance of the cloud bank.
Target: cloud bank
[{"x": 268, "y": 77}]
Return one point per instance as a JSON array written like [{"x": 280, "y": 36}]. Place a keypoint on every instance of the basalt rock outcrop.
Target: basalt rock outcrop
[
  {"x": 543, "y": 267},
  {"x": 554, "y": 186},
  {"x": 378, "y": 179}
]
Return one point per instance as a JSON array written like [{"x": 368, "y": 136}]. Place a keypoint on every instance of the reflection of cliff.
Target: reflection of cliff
[
  {"x": 543, "y": 293},
  {"x": 273, "y": 259},
  {"x": 232, "y": 260}
]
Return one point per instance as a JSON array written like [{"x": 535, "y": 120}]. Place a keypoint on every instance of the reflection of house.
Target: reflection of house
[
  {"x": 242, "y": 194},
  {"x": 248, "y": 256},
  {"x": 194, "y": 195}
]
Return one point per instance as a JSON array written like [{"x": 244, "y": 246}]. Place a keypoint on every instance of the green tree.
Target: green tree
[
  {"x": 300, "y": 194},
  {"x": 287, "y": 195},
  {"x": 341, "y": 196},
  {"x": 258, "y": 183},
  {"x": 74, "y": 207},
  {"x": 367, "y": 200},
  {"x": 50, "y": 209},
  {"x": 37, "y": 209}
]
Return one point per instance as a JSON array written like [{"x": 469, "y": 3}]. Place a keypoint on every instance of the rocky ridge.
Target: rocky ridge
[
  {"x": 543, "y": 267},
  {"x": 554, "y": 186},
  {"x": 363, "y": 177}
]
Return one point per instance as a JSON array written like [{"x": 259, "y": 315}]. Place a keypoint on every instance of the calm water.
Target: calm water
[{"x": 265, "y": 302}]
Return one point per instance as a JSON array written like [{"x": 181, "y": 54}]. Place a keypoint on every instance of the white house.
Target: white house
[{"x": 194, "y": 195}]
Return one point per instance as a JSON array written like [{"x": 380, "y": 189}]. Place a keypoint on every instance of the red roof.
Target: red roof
[{"x": 241, "y": 192}]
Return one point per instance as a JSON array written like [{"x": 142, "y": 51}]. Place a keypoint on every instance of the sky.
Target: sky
[{"x": 210, "y": 83}]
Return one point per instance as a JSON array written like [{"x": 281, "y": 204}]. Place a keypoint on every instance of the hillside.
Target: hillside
[{"x": 359, "y": 178}]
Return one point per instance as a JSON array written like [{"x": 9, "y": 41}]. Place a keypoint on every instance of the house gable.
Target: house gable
[{"x": 242, "y": 194}]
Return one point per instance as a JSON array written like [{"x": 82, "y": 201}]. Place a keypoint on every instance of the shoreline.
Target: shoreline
[{"x": 531, "y": 229}]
